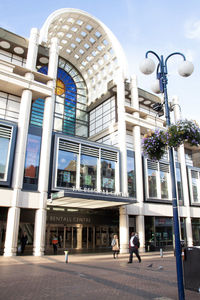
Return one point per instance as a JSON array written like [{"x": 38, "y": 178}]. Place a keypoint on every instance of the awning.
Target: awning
[{"x": 77, "y": 199}]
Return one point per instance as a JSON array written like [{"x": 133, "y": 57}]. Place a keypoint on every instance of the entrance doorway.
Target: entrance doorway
[{"x": 78, "y": 237}]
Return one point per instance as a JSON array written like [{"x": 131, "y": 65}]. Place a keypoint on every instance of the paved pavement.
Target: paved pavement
[{"x": 91, "y": 277}]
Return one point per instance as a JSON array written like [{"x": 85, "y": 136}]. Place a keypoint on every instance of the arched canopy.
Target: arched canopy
[{"x": 88, "y": 44}]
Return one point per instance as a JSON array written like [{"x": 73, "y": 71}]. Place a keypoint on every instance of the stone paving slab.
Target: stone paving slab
[{"x": 91, "y": 277}]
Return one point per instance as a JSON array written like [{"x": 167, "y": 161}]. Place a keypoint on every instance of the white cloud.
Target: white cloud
[{"x": 192, "y": 29}]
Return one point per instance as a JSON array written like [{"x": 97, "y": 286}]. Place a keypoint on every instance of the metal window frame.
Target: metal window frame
[{"x": 10, "y": 159}]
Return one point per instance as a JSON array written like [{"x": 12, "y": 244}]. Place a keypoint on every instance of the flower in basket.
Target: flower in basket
[
  {"x": 154, "y": 144},
  {"x": 189, "y": 131}
]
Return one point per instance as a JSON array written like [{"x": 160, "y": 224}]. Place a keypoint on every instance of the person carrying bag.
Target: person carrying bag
[{"x": 134, "y": 245}]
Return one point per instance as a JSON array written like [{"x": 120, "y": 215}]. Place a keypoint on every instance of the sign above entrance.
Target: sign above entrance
[
  {"x": 57, "y": 195},
  {"x": 80, "y": 199}
]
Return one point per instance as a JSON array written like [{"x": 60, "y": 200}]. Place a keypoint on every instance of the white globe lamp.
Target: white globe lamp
[
  {"x": 186, "y": 68},
  {"x": 155, "y": 87},
  {"x": 147, "y": 66}
]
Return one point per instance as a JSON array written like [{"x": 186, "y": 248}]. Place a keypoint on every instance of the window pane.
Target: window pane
[
  {"x": 108, "y": 175},
  {"x": 88, "y": 172},
  {"x": 66, "y": 172},
  {"x": 195, "y": 189},
  {"x": 152, "y": 183},
  {"x": 131, "y": 176},
  {"x": 164, "y": 184},
  {"x": 32, "y": 159},
  {"x": 4, "y": 147},
  {"x": 179, "y": 183}
]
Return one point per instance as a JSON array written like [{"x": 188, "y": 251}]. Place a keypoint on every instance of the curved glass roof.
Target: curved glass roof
[{"x": 88, "y": 44}]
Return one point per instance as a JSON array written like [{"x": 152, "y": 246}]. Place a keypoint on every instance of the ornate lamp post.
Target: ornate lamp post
[{"x": 185, "y": 69}]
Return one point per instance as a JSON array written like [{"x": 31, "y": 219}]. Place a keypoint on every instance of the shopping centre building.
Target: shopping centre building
[{"x": 71, "y": 162}]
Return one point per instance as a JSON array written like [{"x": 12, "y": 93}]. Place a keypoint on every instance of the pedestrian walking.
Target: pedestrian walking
[
  {"x": 115, "y": 246},
  {"x": 134, "y": 245},
  {"x": 55, "y": 244}
]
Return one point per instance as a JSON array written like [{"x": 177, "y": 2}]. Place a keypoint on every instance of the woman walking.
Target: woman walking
[{"x": 115, "y": 246}]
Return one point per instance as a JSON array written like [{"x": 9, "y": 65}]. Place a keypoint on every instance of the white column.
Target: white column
[
  {"x": 123, "y": 218},
  {"x": 140, "y": 228},
  {"x": 32, "y": 49},
  {"x": 20, "y": 152},
  {"x": 39, "y": 232},
  {"x": 18, "y": 168},
  {"x": 12, "y": 231},
  {"x": 40, "y": 218},
  {"x": 122, "y": 132},
  {"x": 79, "y": 236},
  {"x": 185, "y": 185},
  {"x": 48, "y": 120},
  {"x": 137, "y": 142},
  {"x": 123, "y": 230}
]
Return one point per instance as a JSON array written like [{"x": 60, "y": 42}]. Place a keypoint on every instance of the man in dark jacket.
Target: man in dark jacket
[{"x": 134, "y": 244}]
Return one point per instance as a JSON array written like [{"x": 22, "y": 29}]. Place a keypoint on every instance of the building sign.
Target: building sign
[{"x": 68, "y": 220}]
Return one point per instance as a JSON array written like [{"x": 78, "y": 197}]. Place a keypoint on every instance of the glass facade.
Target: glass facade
[
  {"x": 88, "y": 172},
  {"x": 164, "y": 184},
  {"x": 152, "y": 183},
  {"x": 158, "y": 233},
  {"x": 32, "y": 159},
  {"x": 157, "y": 181},
  {"x": 107, "y": 175},
  {"x": 66, "y": 171},
  {"x": 83, "y": 166},
  {"x": 179, "y": 183},
  {"x": 131, "y": 176},
  {"x": 4, "y": 150},
  {"x": 195, "y": 181},
  {"x": 102, "y": 116},
  {"x": 70, "y": 115},
  {"x": 196, "y": 231}
]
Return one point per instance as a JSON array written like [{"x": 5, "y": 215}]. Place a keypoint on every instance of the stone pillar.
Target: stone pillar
[
  {"x": 12, "y": 231},
  {"x": 79, "y": 236},
  {"x": 185, "y": 185},
  {"x": 123, "y": 230},
  {"x": 122, "y": 132},
  {"x": 20, "y": 152},
  {"x": 40, "y": 217},
  {"x": 140, "y": 228},
  {"x": 48, "y": 120},
  {"x": 39, "y": 233},
  {"x": 123, "y": 221}
]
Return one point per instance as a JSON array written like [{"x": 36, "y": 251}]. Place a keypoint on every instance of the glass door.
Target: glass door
[{"x": 70, "y": 237}]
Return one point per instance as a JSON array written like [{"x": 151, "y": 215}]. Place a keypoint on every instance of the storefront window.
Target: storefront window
[
  {"x": 4, "y": 150},
  {"x": 32, "y": 159},
  {"x": 152, "y": 183},
  {"x": 158, "y": 233},
  {"x": 108, "y": 175},
  {"x": 164, "y": 184},
  {"x": 196, "y": 231},
  {"x": 88, "y": 172},
  {"x": 66, "y": 172},
  {"x": 131, "y": 176},
  {"x": 183, "y": 230},
  {"x": 194, "y": 186}
]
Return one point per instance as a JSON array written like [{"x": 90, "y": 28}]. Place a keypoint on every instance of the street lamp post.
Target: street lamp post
[{"x": 185, "y": 69}]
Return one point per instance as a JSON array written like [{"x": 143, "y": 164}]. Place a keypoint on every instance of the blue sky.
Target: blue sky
[{"x": 158, "y": 25}]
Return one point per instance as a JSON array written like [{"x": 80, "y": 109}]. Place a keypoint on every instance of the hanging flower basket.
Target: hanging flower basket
[{"x": 155, "y": 143}]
